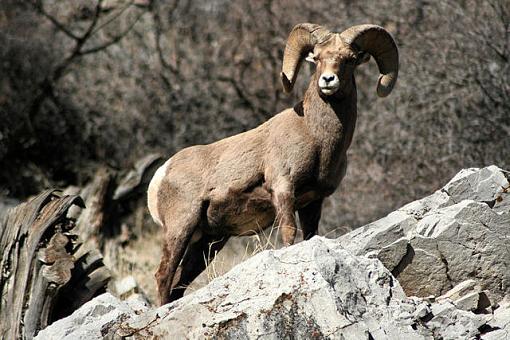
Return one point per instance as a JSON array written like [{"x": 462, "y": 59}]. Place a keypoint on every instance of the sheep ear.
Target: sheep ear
[
  {"x": 310, "y": 58},
  {"x": 362, "y": 58}
]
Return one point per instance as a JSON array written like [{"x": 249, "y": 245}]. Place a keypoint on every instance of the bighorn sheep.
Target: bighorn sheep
[{"x": 206, "y": 193}]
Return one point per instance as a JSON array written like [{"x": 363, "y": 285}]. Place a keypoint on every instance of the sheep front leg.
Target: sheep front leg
[
  {"x": 284, "y": 201},
  {"x": 309, "y": 217}
]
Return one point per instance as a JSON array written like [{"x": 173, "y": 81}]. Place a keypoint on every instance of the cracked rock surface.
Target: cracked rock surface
[
  {"x": 458, "y": 233},
  {"x": 89, "y": 320},
  {"x": 436, "y": 268}
]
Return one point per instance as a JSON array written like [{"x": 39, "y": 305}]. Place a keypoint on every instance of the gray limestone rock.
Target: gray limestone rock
[
  {"x": 468, "y": 302},
  {"x": 460, "y": 232},
  {"x": 482, "y": 185},
  {"x": 455, "y": 242},
  {"x": 460, "y": 290},
  {"x": 90, "y": 319},
  {"x": 499, "y": 324},
  {"x": 316, "y": 289}
]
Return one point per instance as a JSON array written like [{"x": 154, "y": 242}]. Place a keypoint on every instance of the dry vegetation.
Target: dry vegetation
[{"x": 91, "y": 83}]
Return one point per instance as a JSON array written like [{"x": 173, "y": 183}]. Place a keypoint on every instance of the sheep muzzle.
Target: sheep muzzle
[{"x": 329, "y": 83}]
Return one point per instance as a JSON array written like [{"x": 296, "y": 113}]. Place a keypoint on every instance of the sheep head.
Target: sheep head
[{"x": 338, "y": 54}]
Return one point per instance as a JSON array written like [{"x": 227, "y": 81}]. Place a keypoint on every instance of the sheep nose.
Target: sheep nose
[{"x": 328, "y": 78}]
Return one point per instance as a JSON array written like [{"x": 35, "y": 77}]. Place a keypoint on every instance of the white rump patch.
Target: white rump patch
[{"x": 152, "y": 192}]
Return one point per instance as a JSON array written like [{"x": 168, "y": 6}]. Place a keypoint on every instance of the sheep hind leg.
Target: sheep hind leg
[
  {"x": 176, "y": 238},
  {"x": 197, "y": 257}
]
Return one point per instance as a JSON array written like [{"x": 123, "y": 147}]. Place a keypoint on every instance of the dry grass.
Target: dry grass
[
  {"x": 232, "y": 255},
  {"x": 237, "y": 250},
  {"x": 140, "y": 256}
]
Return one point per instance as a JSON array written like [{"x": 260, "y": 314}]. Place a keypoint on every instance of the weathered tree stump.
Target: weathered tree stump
[
  {"x": 51, "y": 249},
  {"x": 46, "y": 272}
]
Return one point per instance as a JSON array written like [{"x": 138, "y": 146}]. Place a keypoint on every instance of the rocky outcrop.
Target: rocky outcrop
[
  {"x": 433, "y": 269},
  {"x": 458, "y": 233},
  {"x": 88, "y": 321}
]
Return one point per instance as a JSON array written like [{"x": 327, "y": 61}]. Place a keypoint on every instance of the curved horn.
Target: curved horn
[
  {"x": 301, "y": 41},
  {"x": 379, "y": 44}
]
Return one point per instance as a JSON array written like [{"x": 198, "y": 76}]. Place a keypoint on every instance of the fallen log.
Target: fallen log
[{"x": 46, "y": 272}]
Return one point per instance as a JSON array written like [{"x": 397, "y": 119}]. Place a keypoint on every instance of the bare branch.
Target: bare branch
[
  {"x": 92, "y": 25},
  {"x": 157, "y": 31},
  {"x": 39, "y": 7},
  {"x": 115, "y": 40},
  {"x": 113, "y": 17},
  {"x": 242, "y": 95}
]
